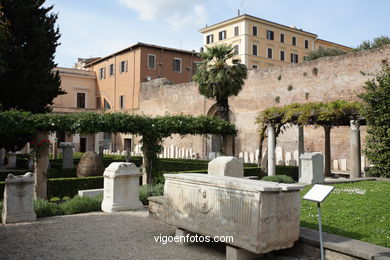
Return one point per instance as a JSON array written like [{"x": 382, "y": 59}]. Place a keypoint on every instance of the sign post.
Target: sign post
[{"x": 318, "y": 193}]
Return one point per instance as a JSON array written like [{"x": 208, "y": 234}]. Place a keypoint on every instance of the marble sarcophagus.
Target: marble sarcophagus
[{"x": 261, "y": 216}]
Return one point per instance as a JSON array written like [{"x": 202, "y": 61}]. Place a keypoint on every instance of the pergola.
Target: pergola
[{"x": 327, "y": 115}]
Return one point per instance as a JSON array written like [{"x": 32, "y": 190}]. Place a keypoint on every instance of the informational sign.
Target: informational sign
[{"x": 318, "y": 193}]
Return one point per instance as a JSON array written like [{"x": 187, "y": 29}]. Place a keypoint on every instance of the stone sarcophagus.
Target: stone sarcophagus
[{"x": 260, "y": 216}]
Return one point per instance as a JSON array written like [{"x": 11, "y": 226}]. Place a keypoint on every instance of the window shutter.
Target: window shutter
[{"x": 126, "y": 66}]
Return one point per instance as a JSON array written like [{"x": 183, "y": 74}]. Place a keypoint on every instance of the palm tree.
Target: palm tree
[{"x": 219, "y": 80}]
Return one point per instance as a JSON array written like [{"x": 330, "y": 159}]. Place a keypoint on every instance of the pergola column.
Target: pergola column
[
  {"x": 355, "y": 150},
  {"x": 271, "y": 150},
  {"x": 301, "y": 146},
  {"x": 41, "y": 165},
  {"x": 327, "y": 172}
]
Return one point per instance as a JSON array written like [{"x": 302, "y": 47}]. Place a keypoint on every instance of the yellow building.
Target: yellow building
[{"x": 262, "y": 43}]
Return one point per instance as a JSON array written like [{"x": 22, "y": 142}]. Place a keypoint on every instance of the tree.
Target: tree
[
  {"x": 377, "y": 114},
  {"x": 28, "y": 40},
  {"x": 375, "y": 43},
  {"x": 28, "y": 82},
  {"x": 219, "y": 80}
]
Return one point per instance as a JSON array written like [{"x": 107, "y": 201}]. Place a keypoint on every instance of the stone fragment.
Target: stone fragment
[
  {"x": 121, "y": 187},
  {"x": 226, "y": 166},
  {"x": 312, "y": 168},
  {"x": 18, "y": 199},
  {"x": 90, "y": 165}
]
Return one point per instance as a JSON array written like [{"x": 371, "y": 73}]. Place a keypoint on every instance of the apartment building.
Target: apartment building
[
  {"x": 112, "y": 84},
  {"x": 119, "y": 75},
  {"x": 261, "y": 43}
]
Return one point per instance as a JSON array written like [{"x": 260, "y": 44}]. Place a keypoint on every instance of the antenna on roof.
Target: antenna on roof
[{"x": 238, "y": 12}]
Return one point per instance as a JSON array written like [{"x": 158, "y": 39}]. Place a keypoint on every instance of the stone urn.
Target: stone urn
[{"x": 90, "y": 165}]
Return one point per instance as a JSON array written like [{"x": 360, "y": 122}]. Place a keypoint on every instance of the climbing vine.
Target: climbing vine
[
  {"x": 334, "y": 113},
  {"x": 152, "y": 129}
]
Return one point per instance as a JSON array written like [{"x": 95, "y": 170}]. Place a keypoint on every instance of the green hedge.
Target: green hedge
[
  {"x": 291, "y": 171},
  {"x": 62, "y": 187}
]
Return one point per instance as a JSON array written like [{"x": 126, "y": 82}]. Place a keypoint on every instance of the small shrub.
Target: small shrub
[
  {"x": 290, "y": 87},
  {"x": 306, "y": 95},
  {"x": 81, "y": 205},
  {"x": 278, "y": 178},
  {"x": 146, "y": 191},
  {"x": 277, "y": 99},
  {"x": 43, "y": 208},
  {"x": 279, "y": 77}
]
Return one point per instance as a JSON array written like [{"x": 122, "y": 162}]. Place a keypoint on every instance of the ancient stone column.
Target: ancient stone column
[
  {"x": 328, "y": 162},
  {"x": 271, "y": 150},
  {"x": 41, "y": 165},
  {"x": 128, "y": 157},
  {"x": 121, "y": 187},
  {"x": 11, "y": 157},
  {"x": 355, "y": 150},
  {"x": 67, "y": 155},
  {"x": 18, "y": 199},
  {"x": 301, "y": 147}
]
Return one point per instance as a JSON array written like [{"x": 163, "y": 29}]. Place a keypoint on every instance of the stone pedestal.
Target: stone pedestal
[
  {"x": 312, "y": 168},
  {"x": 121, "y": 187},
  {"x": 18, "y": 199},
  {"x": 67, "y": 155},
  {"x": 11, "y": 157},
  {"x": 226, "y": 166},
  {"x": 2, "y": 156}
]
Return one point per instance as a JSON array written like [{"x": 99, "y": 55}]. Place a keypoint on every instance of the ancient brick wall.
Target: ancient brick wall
[{"x": 325, "y": 79}]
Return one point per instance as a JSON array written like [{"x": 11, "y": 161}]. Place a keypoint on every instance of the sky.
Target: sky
[{"x": 96, "y": 28}]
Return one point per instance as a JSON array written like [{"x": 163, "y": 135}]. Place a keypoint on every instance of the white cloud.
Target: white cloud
[{"x": 177, "y": 13}]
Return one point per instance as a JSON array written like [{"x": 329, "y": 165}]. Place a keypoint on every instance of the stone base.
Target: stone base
[
  {"x": 7, "y": 219},
  {"x": 156, "y": 205},
  {"x": 90, "y": 193},
  {"x": 234, "y": 253},
  {"x": 115, "y": 207}
]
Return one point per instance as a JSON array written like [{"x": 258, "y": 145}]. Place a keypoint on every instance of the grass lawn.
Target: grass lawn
[{"x": 359, "y": 210}]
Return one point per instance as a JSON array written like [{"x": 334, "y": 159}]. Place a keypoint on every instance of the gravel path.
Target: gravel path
[{"x": 98, "y": 235}]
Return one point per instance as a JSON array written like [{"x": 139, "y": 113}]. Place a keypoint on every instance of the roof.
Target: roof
[
  {"x": 322, "y": 40},
  {"x": 256, "y": 18},
  {"x": 141, "y": 44}
]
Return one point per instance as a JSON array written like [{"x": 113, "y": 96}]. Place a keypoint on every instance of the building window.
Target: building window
[
  {"x": 151, "y": 61},
  {"x": 270, "y": 35},
  {"x": 98, "y": 103},
  {"x": 236, "y": 49},
  {"x": 282, "y": 55},
  {"x": 123, "y": 67},
  {"x": 222, "y": 35},
  {"x": 294, "y": 58},
  {"x": 269, "y": 52},
  {"x": 122, "y": 101},
  {"x": 209, "y": 38},
  {"x": 177, "y": 65},
  {"x": 306, "y": 44},
  {"x": 254, "y": 66},
  {"x": 80, "y": 100},
  {"x": 236, "y": 30},
  {"x": 254, "y": 50},
  {"x": 294, "y": 41},
  {"x": 111, "y": 70},
  {"x": 107, "y": 105},
  {"x": 254, "y": 30},
  {"x": 102, "y": 73},
  {"x": 282, "y": 37}
]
